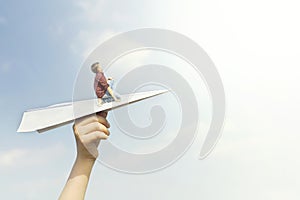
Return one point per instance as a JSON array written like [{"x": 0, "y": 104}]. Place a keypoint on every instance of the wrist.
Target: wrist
[
  {"x": 86, "y": 160},
  {"x": 84, "y": 155}
]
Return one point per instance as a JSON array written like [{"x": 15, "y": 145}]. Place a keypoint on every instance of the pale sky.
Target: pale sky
[{"x": 255, "y": 47}]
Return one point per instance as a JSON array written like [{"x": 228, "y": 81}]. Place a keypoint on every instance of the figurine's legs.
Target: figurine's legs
[
  {"x": 100, "y": 101},
  {"x": 110, "y": 91},
  {"x": 111, "y": 84}
]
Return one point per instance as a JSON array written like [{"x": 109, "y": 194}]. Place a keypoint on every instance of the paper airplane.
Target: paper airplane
[{"x": 47, "y": 118}]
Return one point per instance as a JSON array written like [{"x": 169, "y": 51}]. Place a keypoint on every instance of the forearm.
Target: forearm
[
  {"x": 88, "y": 132},
  {"x": 77, "y": 182}
]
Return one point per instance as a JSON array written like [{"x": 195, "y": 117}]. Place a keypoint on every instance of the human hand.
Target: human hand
[{"x": 88, "y": 132}]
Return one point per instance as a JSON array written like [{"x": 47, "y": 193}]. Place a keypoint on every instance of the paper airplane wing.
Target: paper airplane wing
[{"x": 51, "y": 117}]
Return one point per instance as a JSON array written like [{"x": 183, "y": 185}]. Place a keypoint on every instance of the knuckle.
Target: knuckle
[
  {"x": 99, "y": 135},
  {"x": 96, "y": 126},
  {"x": 104, "y": 129},
  {"x": 82, "y": 140},
  {"x": 94, "y": 118},
  {"x": 102, "y": 136},
  {"x": 75, "y": 129},
  {"x": 99, "y": 127},
  {"x": 78, "y": 130}
]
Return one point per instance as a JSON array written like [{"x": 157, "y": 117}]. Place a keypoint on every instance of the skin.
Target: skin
[{"x": 88, "y": 132}]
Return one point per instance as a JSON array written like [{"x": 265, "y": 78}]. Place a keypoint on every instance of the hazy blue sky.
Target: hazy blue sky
[{"x": 255, "y": 46}]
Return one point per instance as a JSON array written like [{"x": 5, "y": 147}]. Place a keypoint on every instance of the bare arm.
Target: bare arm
[{"x": 88, "y": 132}]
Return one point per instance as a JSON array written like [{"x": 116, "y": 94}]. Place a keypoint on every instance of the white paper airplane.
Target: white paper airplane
[{"x": 44, "y": 119}]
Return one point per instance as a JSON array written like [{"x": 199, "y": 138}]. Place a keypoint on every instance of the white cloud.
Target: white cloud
[
  {"x": 91, "y": 11},
  {"x": 101, "y": 20},
  {"x": 87, "y": 41},
  {"x": 95, "y": 11},
  {"x": 11, "y": 157},
  {"x": 270, "y": 31},
  {"x": 34, "y": 171},
  {"x": 26, "y": 157},
  {"x": 35, "y": 188},
  {"x": 90, "y": 15}
]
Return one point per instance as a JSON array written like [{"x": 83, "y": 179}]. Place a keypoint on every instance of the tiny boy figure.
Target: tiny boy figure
[{"x": 101, "y": 86}]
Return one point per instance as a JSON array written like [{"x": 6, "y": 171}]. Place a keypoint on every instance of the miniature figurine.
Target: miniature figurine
[{"x": 101, "y": 85}]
